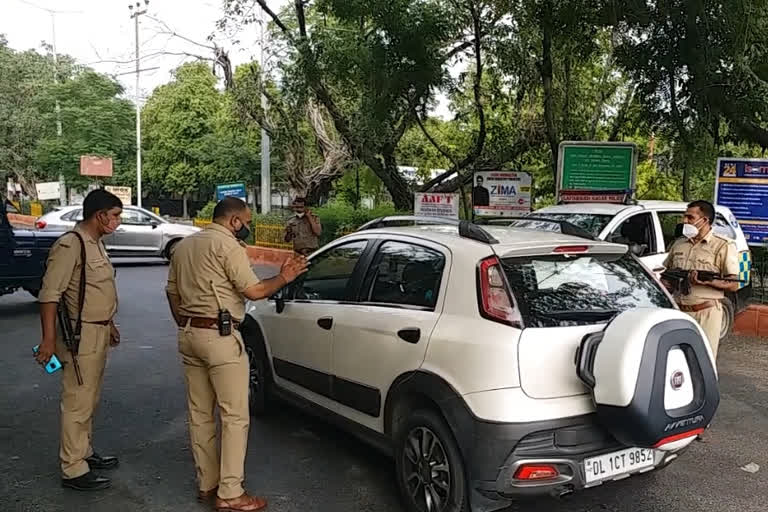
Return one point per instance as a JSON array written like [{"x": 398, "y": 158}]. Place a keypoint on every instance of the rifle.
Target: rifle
[
  {"x": 71, "y": 336},
  {"x": 680, "y": 278}
]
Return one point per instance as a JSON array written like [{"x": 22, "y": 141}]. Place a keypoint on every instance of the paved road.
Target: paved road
[{"x": 299, "y": 464}]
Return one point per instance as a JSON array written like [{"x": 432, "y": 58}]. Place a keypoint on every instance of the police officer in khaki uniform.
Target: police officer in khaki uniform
[
  {"x": 210, "y": 272},
  {"x": 701, "y": 249},
  {"x": 303, "y": 229},
  {"x": 101, "y": 216}
]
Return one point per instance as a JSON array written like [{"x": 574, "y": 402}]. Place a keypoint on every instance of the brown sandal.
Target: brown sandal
[
  {"x": 244, "y": 503},
  {"x": 203, "y": 496}
]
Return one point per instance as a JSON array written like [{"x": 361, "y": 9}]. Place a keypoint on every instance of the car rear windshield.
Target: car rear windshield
[
  {"x": 563, "y": 290},
  {"x": 591, "y": 222}
]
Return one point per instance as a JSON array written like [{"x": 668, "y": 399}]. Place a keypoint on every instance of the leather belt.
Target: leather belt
[
  {"x": 100, "y": 322},
  {"x": 200, "y": 322},
  {"x": 692, "y": 308}
]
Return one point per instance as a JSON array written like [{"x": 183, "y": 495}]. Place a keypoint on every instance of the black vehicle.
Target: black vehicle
[{"x": 23, "y": 255}]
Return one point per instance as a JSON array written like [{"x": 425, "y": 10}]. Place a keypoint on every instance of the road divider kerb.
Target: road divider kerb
[
  {"x": 753, "y": 321},
  {"x": 267, "y": 256}
]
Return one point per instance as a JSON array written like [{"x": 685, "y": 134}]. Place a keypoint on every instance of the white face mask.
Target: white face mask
[
  {"x": 690, "y": 231},
  {"x": 300, "y": 215}
]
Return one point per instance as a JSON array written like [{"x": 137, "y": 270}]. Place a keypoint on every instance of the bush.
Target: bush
[
  {"x": 206, "y": 212},
  {"x": 339, "y": 217}
]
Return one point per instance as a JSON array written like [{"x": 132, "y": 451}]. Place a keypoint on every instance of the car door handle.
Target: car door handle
[
  {"x": 325, "y": 322},
  {"x": 411, "y": 335},
  {"x": 659, "y": 269}
]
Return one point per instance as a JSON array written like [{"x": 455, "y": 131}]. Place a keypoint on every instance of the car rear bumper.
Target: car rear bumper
[{"x": 500, "y": 450}]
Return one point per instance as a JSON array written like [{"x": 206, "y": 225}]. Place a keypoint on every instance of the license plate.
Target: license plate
[{"x": 611, "y": 465}]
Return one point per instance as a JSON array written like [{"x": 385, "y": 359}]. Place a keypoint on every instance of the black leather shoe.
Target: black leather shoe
[
  {"x": 96, "y": 461},
  {"x": 87, "y": 482}
]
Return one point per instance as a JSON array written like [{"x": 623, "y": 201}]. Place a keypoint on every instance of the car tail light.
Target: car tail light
[
  {"x": 495, "y": 301},
  {"x": 536, "y": 472},
  {"x": 40, "y": 224}
]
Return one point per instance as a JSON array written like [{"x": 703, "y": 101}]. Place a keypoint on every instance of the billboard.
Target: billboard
[
  {"x": 95, "y": 166},
  {"x": 124, "y": 193},
  {"x": 603, "y": 172},
  {"x": 48, "y": 191},
  {"x": 501, "y": 193},
  {"x": 741, "y": 185},
  {"x": 231, "y": 190},
  {"x": 428, "y": 204}
]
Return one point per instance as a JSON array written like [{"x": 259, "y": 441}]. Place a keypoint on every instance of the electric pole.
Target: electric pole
[
  {"x": 135, "y": 15},
  {"x": 266, "y": 178},
  {"x": 62, "y": 185}
]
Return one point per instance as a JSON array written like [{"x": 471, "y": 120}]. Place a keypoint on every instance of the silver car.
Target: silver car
[{"x": 141, "y": 233}]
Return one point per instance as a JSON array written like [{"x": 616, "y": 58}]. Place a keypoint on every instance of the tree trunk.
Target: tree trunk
[{"x": 546, "y": 80}]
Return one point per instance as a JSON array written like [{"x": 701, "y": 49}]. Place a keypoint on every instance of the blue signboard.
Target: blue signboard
[
  {"x": 742, "y": 186},
  {"x": 231, "y": 190}
]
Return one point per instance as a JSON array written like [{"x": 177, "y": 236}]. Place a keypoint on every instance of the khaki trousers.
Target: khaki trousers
[
  {"x": 711, "y": 320},
  {"x": 216, "y": 371},
  {"x": 79, "y": 403}
]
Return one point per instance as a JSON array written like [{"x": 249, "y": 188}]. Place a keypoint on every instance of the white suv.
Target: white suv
[
  {"x": 648, "y": 227},
  {"x": 491, "y": 363}
]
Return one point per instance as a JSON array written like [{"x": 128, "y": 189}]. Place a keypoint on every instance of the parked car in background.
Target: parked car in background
[
  {"x": 648, "y": 228},
  {"x": 141, "y": 233},
  {"x": 23, "y": 253}
]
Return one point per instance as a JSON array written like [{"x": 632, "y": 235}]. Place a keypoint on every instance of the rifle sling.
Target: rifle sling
[{"x": 81, "y": 291}]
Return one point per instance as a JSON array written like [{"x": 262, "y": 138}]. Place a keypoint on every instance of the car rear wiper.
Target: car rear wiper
[{"x": 581, "y": 314}]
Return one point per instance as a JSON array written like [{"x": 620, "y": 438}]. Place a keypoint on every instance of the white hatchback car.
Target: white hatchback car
[
  {"x": 491, "y": 363},
  {"x": 649, "y": 228}
]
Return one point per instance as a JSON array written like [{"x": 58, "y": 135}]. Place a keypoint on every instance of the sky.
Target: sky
[{"x": 101, "y": 34}]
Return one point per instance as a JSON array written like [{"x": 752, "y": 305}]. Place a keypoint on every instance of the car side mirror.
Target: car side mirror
[
  {"x": 279, "y": 304},
  {"x": 154, "y": 224}
]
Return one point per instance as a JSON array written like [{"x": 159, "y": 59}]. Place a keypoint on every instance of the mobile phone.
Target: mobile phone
[{"x": 53, "y": 364}]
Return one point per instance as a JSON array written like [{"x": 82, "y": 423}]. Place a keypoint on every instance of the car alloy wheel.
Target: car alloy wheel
[{"x": 427, "y": 472}]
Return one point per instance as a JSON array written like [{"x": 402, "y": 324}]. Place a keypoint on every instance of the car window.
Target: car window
[
  {"x": 134, "y": 217},
  {"x": 669, "y": 221},
  {"x": 566, "y": 290},
  {"x": 74, "y": 215},
  {"x": 329, "y": 274},
  {"x": 638, "y": 233},
  {"x": 593, "y": 223},
  {"x": 723, "y": 228},
  {"x": 404, "y": 274}
]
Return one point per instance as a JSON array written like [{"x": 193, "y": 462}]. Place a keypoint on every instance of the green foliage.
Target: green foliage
[{"x": 339, "y": 217}]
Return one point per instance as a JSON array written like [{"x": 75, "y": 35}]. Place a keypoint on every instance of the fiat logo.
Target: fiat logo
[{"x": 677, "y": 380}]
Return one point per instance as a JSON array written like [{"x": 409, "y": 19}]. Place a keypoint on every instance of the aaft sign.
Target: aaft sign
[
  {"x": 501, "y": 193},
  {"x": 428, "y": 204}
]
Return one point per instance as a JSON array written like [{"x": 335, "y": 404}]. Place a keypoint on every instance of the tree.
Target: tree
[
  {"x": 367, "y": 63},
  {"x": 95, "y": 121},
  {"x": 187, "y": 133}
]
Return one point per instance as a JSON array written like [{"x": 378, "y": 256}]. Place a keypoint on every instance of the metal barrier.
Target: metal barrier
[{"x": 264, "y": 235}]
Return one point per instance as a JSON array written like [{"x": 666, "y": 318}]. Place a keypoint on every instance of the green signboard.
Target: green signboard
[{"x": 596, "y": 171}]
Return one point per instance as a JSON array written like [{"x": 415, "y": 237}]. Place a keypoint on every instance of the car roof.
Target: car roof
[
  {"x": 614, "y": 208},
  {"x": 510, "y": 239}
]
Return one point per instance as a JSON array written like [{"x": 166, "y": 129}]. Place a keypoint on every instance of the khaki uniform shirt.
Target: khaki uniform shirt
[
  {"x": 713, "y": 253},
  {"x": 62, "y": 277},
  {"x": 213, "y": 254},
  {"x": 303, "y": 236}
]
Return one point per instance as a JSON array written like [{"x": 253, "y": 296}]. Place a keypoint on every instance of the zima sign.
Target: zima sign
[
  {"x": 427, "y": 204},
  {"x": 501, "y": 193}
]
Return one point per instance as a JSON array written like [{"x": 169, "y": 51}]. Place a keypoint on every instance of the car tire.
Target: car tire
[
  {"x": 429, "y": 465},
  {"x": 169, "y": 249},
  {"x": 259, "y": 376},
  {"x": 729, "y": 314}
]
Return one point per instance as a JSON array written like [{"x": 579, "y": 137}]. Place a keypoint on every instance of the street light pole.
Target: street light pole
[{"x": 135, "y": 15}]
